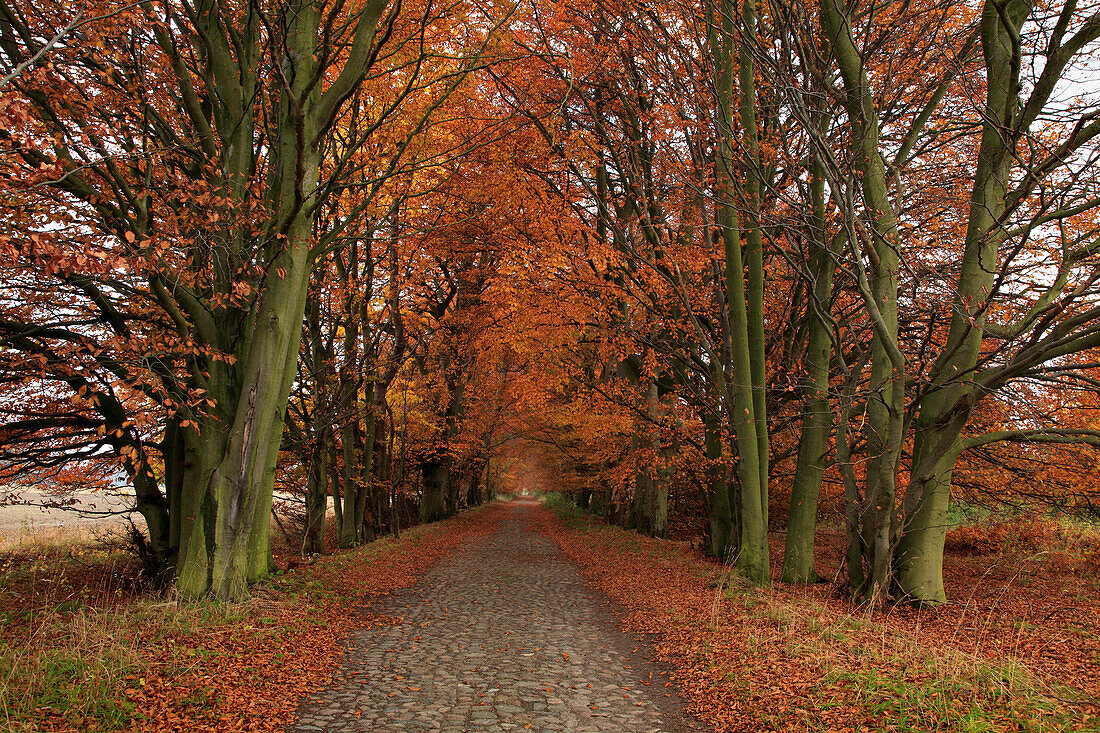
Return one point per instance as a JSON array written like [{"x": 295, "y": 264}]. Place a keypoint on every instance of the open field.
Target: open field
[
  {"x": 86, "y": 517},
  {"x": 32, "y": 521}
]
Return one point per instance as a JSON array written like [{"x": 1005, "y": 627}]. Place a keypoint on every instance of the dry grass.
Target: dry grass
[
  {"x": 32, "y": 537},
  {"x": 897, "y": 674},
  {"x": 73, "y": 621},
  {"x": 71, "y": 662}
]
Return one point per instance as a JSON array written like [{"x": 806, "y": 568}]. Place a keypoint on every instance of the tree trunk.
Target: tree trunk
[
  {"x": 350, "y": 441},
  {"x": 649, "y": 510},
  {"x": 752, "y": 169},
  {"x": 884, "y": 426},
  {"x": 364, "y": 507},
  {"x": 381, "y": 482},
  {"x": 920, "y": 552},
  {"x": 658, "y": 498},
  {"x": 584, "y": 498},
  {"x": 473, "y": 494},
  {"x": 753, "y": 558},
  {"x": 153, "y": 506},
  {"x": 639, "y": 519},
  {"x": 313, "y": 543},
  {"x": 436, "y": 475},
  {"x": 490, "y": 484},
  {"x": 334, "y": 478},
  {"x": 719, "y": 516},
  {"x": 451, "y": 495},
  {"x": 229, "y": 455},
  {"x": 229, "y": 461},
  {"x": 945, "y": 409},
  {"x": 798, "y": 552},
  {"x": 316, "y": 433}
]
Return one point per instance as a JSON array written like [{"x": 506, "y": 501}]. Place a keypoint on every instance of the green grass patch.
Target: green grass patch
[
  {"x": 567, "y": 510},
  {"x": 896, "y": 677},
  {"x": 941, "y": 694},
  {"x": 71, "y": 667}
]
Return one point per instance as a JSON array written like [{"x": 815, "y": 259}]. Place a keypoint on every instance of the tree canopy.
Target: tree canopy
[{"x": 722, "y": 262}]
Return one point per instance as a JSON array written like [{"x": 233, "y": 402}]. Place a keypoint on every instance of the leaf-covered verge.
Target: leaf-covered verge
[
  {"x": 791, "y": 659},
  {"x": 82, "y": 650}
]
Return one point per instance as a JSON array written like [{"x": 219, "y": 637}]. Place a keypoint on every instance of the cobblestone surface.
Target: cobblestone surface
[{"x": 504, "y": 635}]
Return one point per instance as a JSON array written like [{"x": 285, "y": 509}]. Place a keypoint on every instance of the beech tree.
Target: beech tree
[
  {"x": 190, "y": 157},
  {"x": 1033, "y": 156},
  {"x": 1027, "y": 232},
  {"x": 251, "y": 151}
]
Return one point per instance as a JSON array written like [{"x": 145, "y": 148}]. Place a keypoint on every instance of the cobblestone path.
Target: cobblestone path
[{"x": 503, "y": 635}]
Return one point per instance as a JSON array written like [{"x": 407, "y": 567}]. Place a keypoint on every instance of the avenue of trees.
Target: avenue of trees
[{"x": 754, "y": 257}]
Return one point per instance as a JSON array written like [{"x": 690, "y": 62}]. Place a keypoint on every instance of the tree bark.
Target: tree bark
[
  {"x": 436, "y": 474},
  {"x": 229, "y": 453},
  {"x": 798, "y": 552},
  {"x": 884, "y": 426},
  {"x": 317, "y": 492},
  {"x": 945, "y": 410},
  {"x": 753, "y": 558}
]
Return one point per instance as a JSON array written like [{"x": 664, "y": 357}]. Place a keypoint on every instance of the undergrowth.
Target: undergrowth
[
  {"x": 1061, "y": 541},
  {"x": 567, "y": 510},
  {"x": 73, "y": 667},
  {"x": 897, "y": 677}
]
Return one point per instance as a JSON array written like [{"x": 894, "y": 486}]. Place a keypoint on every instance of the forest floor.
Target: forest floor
[
  {"x": 1017, "y": 648},
  {"x": 83, "y": 647}
]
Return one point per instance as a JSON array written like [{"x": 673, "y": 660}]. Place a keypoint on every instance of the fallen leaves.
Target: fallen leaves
[
  {"x": 246, "y": 667},
  {"x": 784, "y": 659}
]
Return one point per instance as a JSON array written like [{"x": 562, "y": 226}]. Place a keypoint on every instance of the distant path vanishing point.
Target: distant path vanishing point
[{"x": 503, "y": 635}]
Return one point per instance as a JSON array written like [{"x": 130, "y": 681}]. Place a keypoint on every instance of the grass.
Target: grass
[
  {"x": 76, "y": 631},
  {"x": 1064, "y": 540},
  {"x": 574, "y": 517},
  {"x": 73, "y": 667},
  {"x": 88, "y": 662},
  {"x": 955, "y": 695},
  {"x": 84, "y": 648},
  {"x": 895, "y": 675},
  {"x": 961, "y": 513}
]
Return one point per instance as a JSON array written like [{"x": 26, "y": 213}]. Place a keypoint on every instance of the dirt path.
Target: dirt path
[{"x": 504, "y": 635}]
